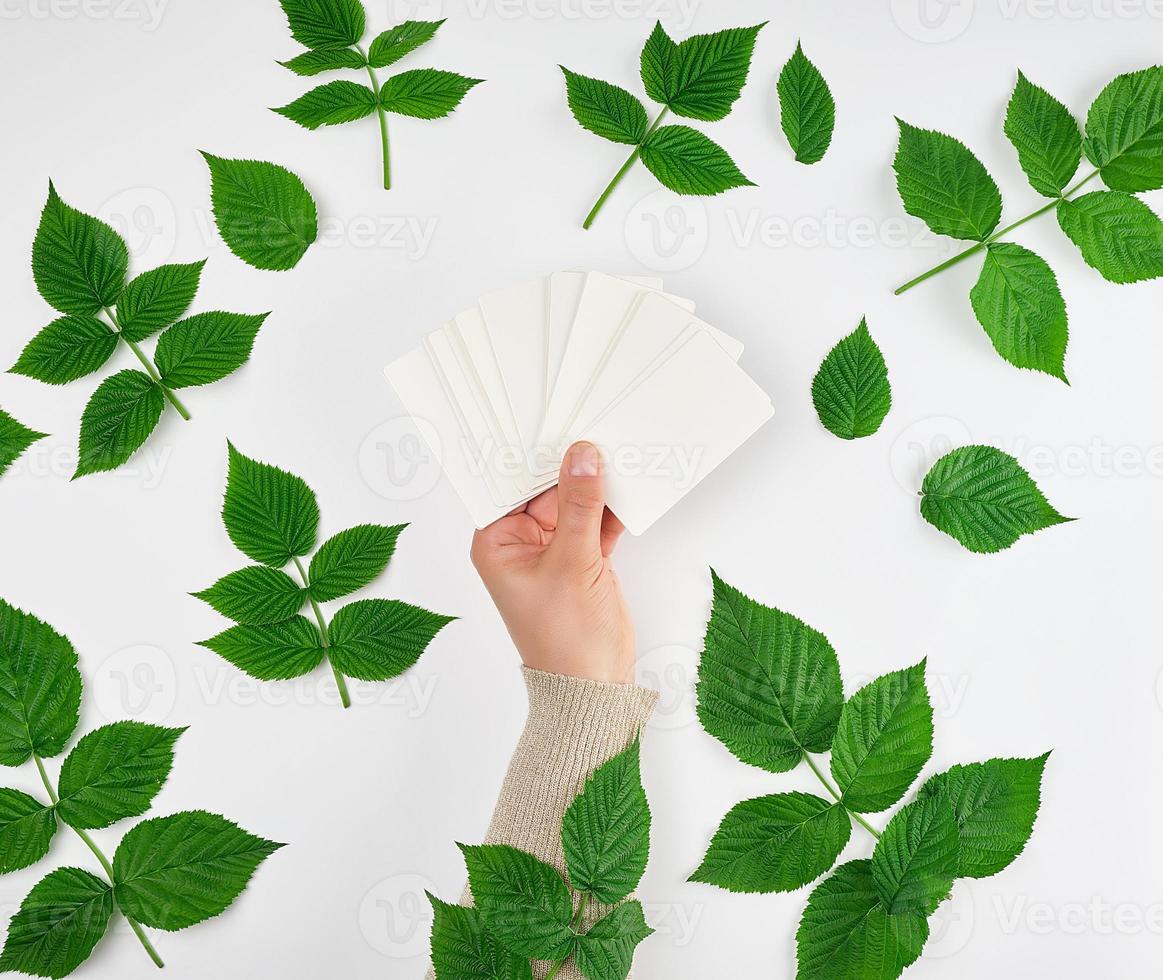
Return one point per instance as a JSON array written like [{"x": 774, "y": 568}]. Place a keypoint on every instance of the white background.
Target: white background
[{"x": 1053, "y": 644}]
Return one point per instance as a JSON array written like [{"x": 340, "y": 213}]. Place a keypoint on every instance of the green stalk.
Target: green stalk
[
  {"x": 108, "y": 868},
  {"x": 622, "y": 173},
  {"x": 974, "y": 249},
  {"x": 383, "y": 121},
  {"x": 836, "y": 796},
  {"x": 149, "y": 367},
  {"x": 340, "y": 680},
  {"x": 578, "y": 919}
]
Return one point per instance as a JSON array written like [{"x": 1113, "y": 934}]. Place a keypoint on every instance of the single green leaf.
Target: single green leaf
[
  {"x": 27, "y": 827},
  {"x": 1124, "y": 131},
  {"x": 120, "y": 416},
  {"x": 688, "y": 162},
  {"x": 330, "y": 105},
  {"x": 983, "y": 498},
  {"x": 15, "y": 438},
  {"x": 78, "y": 262},
  {"x": 255, "y": 596},
  {"x": 156, "y": 298},
  {"x": 606, "y": 830},
  {"x": 915, "y": 859},
  {"x": 523, "y": 901},
  {"x": 851, "y": 390},
  {"x": 115, "y": 772},
  {"x": 1018, "y": 302},
  {"x": 945, "y": 185},
  {"x": 172, "y": 872},
  {"x": 377, "y": 639},
  {"x": 1045, "y": 135},
  {"x": 606, "y": 952},
  {"x": 884, "y": 739},
  {"x": 807, "y": 110},
  {"x": 775, "y": 843},
  {"x": 605, "y": 110},
  {"x": 1118, "y": 235},
  {"x": 846, "y": 933},
  {"x": 206, "y": 347},
  {"x": 274, "y": 652},
  {"x": 352, "y": 559},
  {"x": 995, "y": 804},
  {"x": 325, "y": 23},
  {"x": 311, "y": 63},
  {"x": 463, "y": 950},
  {"x": 59, "y": 922},
  {"x": 769, "y": 685},
  {"x": 271, "y": 515},
  {"x": 69, "y": 348},
  {"x": 264, "y": 213},
  {"x": 40, "y": 688},
  {"x": 702, "y": 77},
  {"x": 425, "y": 93},
  {"x": 401, "y": 40}
]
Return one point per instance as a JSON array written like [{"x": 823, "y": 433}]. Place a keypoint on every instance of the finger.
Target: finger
[
  {"x": 581, "y": 502},
  {"x": 543, "y": 509},
  {"x": 612, "y": 530}
]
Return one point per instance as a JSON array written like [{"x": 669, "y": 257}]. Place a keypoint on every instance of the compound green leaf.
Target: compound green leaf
[
  {"x": 271, "y": 516},
  {"x": 330, "y": 105},
  {"x": 775, "y": 843},
  {"x": 425, "y": 93},
  {"x": 915, "y": 860},
  {"x": 605, "y": 110},
  {"x": 1118, "y": 235},
  {"x": 851, "y": 390},
  {"x": 69, "y": 348},
  {"x": 463, "y": 950},
  {"x": 377, "y": 639},
  {"x": 325, "y": 23},
  {"x": 206, "y": 347},
  {"x": 688, "y": 162},
  {"x": 255, "y": 596},
  {"x": 1045, "y": 135},
  {"x": 769, "y": 685},
  {"x": 311, "y": 63},
  {"x": 156, "y": 298},
  {"x": 352, "y": 559},
  {"x": 606, "y": 952},
  {"x": 274, "y": 652},
  {"x": 1124, "y": 131},
  {"x": 983, "y": 498},
  {"x": 807, "y": 110},
  {"x": 392, "y": 45},
  {"x": 15, "y": 438},
  {"x": 120, "y": 416},
  {"x": 27, "y": 827},
  {"x": 173, "y": 872}
]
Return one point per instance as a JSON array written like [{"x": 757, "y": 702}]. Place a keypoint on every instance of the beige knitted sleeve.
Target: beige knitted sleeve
[{"x": 574, "y": 726}]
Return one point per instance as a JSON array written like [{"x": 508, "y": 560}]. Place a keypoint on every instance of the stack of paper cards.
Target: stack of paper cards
[{"x": 506, "y": 387}]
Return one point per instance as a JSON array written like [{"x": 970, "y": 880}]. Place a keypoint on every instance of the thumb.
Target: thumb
[{"x": 581, "y": 502}]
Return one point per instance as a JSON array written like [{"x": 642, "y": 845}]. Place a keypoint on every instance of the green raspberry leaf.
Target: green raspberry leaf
[
  {"x": 78, "y": 262},
  {"x": 851, "y": 390},
  {"x": 264, "y": 213},
  {"x": 606, "y": 952},
  {"x": 15, "y": 438},
  {"x": 401, "y": 40},
  {"x": 156, "y": 298},
  {"x": 378, "y": 639},
  {"x": 69, "y": 348},
  {"x": 330, "y": 105},
  {"x": 846, "y": 933},
  {"x": 120, "y": 416},
  {"x": 775, "y": 843},
  {"x": 425, "y": 93},
  {"x": 523, "y": 901},
  {"x": 605, "y": 110},
  {"x": 271, "y": 516},
  {"x": 606, "y": 830},
  {"x": 915, "y": 860},
  {"x": 769, "y": 685},
  {"x": 1124, "y": 131},
  {"x": 59, "y": 922},
  {"x": 807, "y": 109},
  {"x": 325, "y": 23},
  {"x": 115, "y": 772},
  {"x": 275, "y": 652},
  {"x": 206, "y": 347},
  {"x": 1045, "y": 135},
  {"x": 311, "y": 63},
  {"x": 702, "y": 77},
  {"x": 40, "y": 688},
  {"x": 884, "y": 739},
  {"x": 463, "y": 950},
  {"x": 1018, "y": 302},
  {"x": 27, "y": 827},
  {"x": 688, "y": 162},
  {"x": 1118, "y": 235},
  {"x": 352, "y": 559},
  {"x": 658, "y": 64},
  {"x": 995, "y": 804},
  {"x": 173, "y": 872},
  {"x": 255, "y": 596},
  {"x": 945, "y": 185},
  {"x": 983, "y": 498}
]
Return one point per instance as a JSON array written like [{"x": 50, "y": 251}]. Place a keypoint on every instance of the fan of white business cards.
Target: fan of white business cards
[{"x": 503, "y": 389}]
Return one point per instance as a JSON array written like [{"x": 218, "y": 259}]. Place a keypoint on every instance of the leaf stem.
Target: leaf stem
[
  {"x": 631, "y": 160},
  {"x": 836, "y": 796},
  {"x": 149, "y": 367},
  {"x": 340, "y": 680},
  {"x": 974, "y": 249},
  {"x": 578, "y": 919},
  {"x": 99, "y": 854},
  {"x": 383, "y": 116}
]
